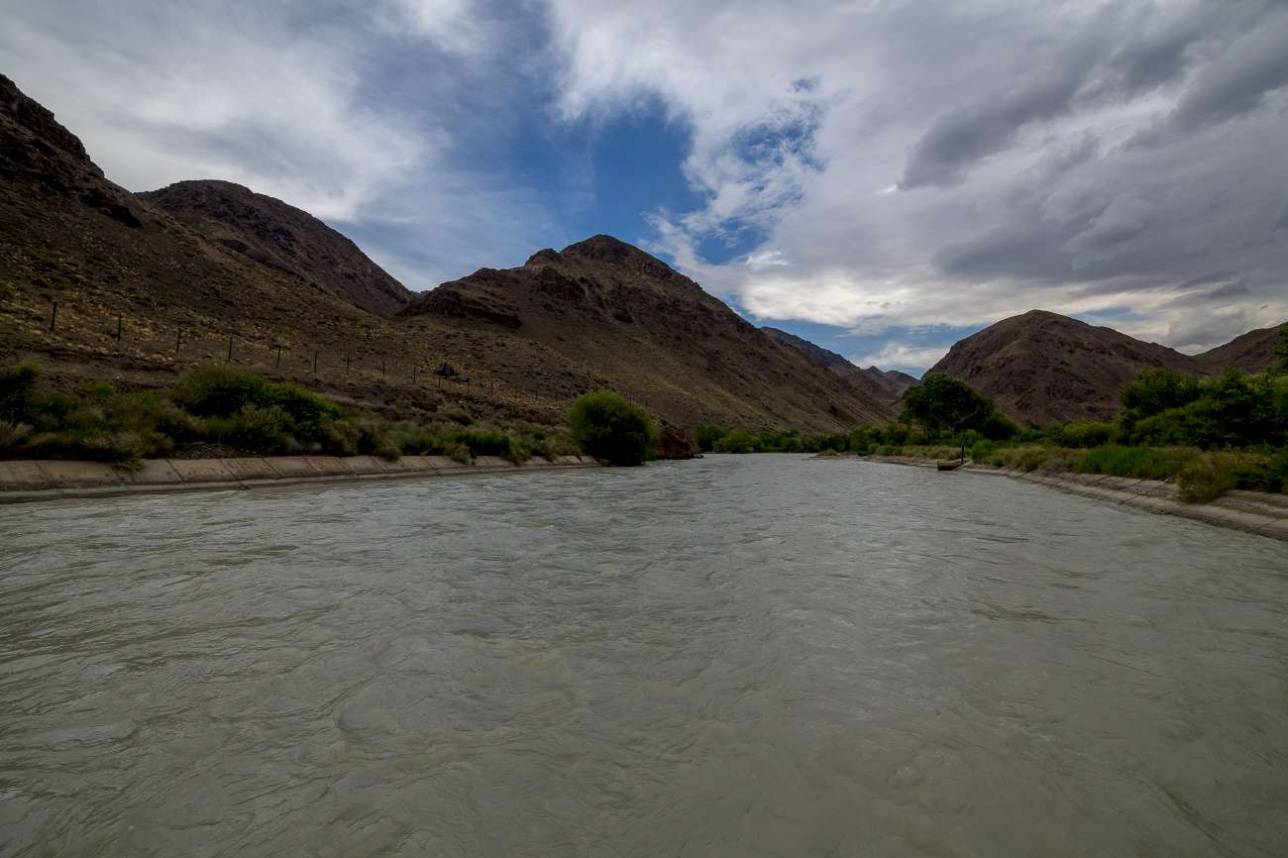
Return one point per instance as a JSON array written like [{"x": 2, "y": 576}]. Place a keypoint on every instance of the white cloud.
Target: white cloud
[
  {"x": 914, "y": 360},
  {"x": 367, "y": 115},
  {"x": 1025, "y": 118}
]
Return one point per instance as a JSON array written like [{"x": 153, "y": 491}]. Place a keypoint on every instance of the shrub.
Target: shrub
[
  {"x": 1149, "y": 463},
  {"x": 255, "y": 430},
  {"x": 608, "y": 427},
  {"x": 218, "y": 390},
  {"x": 17, "y": 391},
  {"x": 737, "y": 441},
  {"x": 13, "y": 436},
  {"x": 1082, "y": 434},
  {"x": 456, "y": 451},
  {"x": 484, "y": 442},
  {"x": 707, "y": 436},
  {"x": 1204, "y": 479}
]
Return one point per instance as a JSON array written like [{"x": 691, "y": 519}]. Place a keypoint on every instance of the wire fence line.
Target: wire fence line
[{"x": 90, "y": 328}]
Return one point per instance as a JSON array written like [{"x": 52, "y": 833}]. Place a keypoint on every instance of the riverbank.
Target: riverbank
[
  {"x": 48, "y": 479},
  {"x": 1251, "y": 512}
]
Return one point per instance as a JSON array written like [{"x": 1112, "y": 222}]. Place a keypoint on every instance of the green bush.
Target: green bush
[
  {"x": 219, "y": 390},
  {"x": 1148, "y": 463},
  {"x": 1204, "y": 479},
  {"x": 1081, "y": 434},
  {"x": 18, "y": 391},
  {"x": 255, "y": 429},
  {"x": 707, "y": 436},
  {"x": 608, "y": 427},
  {"x": 737, "y": 441}
]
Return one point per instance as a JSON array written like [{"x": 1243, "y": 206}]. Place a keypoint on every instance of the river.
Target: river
[{"x": 738, "y": 656}]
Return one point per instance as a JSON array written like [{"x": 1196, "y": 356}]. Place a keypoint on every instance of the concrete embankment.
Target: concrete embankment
[
  {"x": 1252, "y": 512},
  {"x": 27, "y": 480}
]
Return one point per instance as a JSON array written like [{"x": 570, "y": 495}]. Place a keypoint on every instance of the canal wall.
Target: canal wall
[
  {"x": 1252, "y": 512},
  {"x": 29, "y": 480}
]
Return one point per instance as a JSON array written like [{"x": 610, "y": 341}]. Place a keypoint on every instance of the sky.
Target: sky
[{"x": 882, "y": 177}]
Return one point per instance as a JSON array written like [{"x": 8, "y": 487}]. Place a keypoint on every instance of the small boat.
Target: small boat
[{"x": 950, "y": 466}]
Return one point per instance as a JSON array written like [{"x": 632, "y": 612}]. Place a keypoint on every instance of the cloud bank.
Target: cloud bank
[
  {"x": 959, "y": 163},
  {"x": 886, "y": 167}
]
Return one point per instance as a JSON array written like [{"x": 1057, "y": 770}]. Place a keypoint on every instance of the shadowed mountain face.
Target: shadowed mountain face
[
  {"x": 212, "y": 271},
  {"x": 1042, "y": 367},
  {"x": 65, "y": 230},
  {"x": 206, "y": 271},
  {"x": 885, "y": 385},
  {"x": 284, "y": 239},
  {"x": 1250, "y": 352},
  {"x": 656, "y": 334}
]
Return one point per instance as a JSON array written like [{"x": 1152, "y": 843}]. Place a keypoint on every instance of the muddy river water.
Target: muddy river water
[{"x": 737, "y": 656}]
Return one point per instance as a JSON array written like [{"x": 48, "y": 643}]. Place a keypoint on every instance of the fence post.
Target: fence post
[
  {"x": 413, "y": 374},
  {"x": 53, "y": 317},
  {"x": 230, "y": 348},
  {"x": 120, "y": 326},
  {"x": 178, "y": 340},
  {"x": 278, "y": 365},
  {"x": 315, "y": 364}
]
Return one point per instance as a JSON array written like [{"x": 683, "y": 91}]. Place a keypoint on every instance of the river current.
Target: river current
[{"x": 738, "y": 656}]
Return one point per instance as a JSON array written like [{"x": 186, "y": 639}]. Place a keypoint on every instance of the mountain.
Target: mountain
[
  {"x": 1250, "y": 352},
  {"x": 68, "y": 234},
  {"x": 884, "y": 385},
  {"x": 97, "y": 282},
  {"x": 1042, "y": 367},
  {"x": 282, "y": 238},
  {"x": 656, "y": 334}
]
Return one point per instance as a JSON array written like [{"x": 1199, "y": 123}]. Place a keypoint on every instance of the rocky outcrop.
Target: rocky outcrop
[{"x": 282, "y": 238}]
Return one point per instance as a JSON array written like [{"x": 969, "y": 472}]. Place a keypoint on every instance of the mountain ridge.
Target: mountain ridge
[
  {"x": 279, "y": 236},
  {"x": 97, "y": 282},
  {"x": 1040, "y": 367}
]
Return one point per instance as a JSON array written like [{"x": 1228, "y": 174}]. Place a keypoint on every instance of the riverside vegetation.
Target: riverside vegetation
[
  {"x": 220, "y": 410},
  {"x": 1209, "y": 435}
]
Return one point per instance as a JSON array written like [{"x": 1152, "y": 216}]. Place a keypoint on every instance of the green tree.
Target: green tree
[
  {"x": 943, "y": 405},
  {"x": 608, "y": 427}
]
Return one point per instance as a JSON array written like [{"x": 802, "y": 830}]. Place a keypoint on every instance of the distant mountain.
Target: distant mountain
[
  {"x": 284, "y": 239},
  {"x": 1250, "y": 352},
  {"x": 1042, "y": 367},
  {"x": 656, "y": 335},
  {"x": 885, "y": 385}
]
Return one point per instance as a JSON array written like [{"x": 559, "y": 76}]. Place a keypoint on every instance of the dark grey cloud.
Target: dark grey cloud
[
  {"x": 1238, "y": 80},
  {"x": 958, "y": 139}
]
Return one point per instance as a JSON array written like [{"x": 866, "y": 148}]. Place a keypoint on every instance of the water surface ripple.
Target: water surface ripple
[{"x": 738, "y": 656}]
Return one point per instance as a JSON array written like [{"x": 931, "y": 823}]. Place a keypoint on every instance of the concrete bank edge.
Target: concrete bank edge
[
  {"x": 1250, "y": 512},
  {"x": 26, "y": 480}
]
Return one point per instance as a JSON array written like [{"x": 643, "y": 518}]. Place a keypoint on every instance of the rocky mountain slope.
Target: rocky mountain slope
[
  {"x": 884, "y": 385},
  {"x": 1041, "y": 367},
  {"x": 283, "y": 239},
  {"x": 656, "y": 334},
  {"x": 1250, "y": 352},
  {"x": 97, "y": 282}
]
